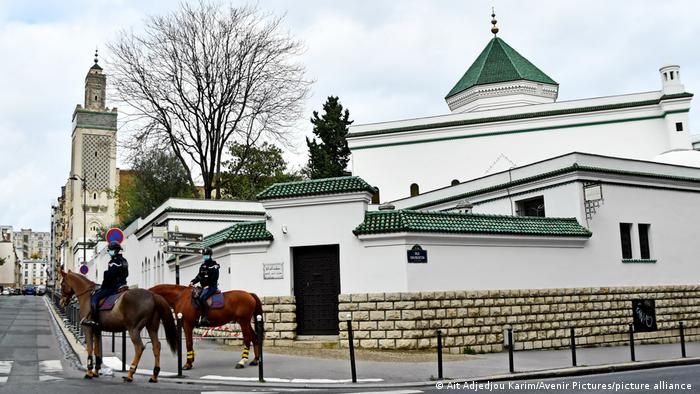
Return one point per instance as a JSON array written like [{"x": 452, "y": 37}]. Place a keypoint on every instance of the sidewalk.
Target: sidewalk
[{"x": 215, "y": 362}]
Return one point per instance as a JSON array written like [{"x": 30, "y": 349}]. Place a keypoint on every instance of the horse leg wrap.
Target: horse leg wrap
[
  {"x": 89, "y": 363},
  {"x": 156, "y": 371},
  {"x": 190, "y": 355},
  {"x": 98, "y": 363}
]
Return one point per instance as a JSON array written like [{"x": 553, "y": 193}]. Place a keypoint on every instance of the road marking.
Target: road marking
[
  {"x": 50, "y": 366},
  {"x": 47, "y": 378},
  {"x": 5, "y": 367},
  {"x": 115, "y": 363},
  {"x": 282, "y": 380},
  {"x": 236, "y": 392},
  {"x": 388, "y": 392}
]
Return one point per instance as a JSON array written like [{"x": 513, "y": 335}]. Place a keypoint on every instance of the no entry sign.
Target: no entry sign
[
  {"x": 84, "y": 269},
  {"x": 114, "y": 235}
]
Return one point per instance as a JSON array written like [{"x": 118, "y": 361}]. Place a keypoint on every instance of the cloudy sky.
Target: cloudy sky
[{"x": 385, "y": 59}]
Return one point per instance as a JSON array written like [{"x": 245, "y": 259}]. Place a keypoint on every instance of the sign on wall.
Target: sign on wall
[
  {"x": 417, "y": 255},
  {"x": 644, "y": 315},
  {"x": 273, "y": 271}
]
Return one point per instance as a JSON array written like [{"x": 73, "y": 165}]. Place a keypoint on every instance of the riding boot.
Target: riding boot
[
  {"x": 204, "y": 320},
  {"x": 91, "y": 319}
]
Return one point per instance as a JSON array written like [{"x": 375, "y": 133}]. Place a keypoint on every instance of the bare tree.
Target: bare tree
[{"x": 206, "y": 75}]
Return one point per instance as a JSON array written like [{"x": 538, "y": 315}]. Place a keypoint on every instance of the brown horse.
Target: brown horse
[
  {"x": 134, "y": 310},
  {"x": 239, "y": 306}
]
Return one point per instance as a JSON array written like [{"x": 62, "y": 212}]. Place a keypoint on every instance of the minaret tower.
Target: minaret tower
[{"x": 94, "y": 162}]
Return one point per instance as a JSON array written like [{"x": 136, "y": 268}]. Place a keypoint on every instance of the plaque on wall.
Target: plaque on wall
[
  {"x": 273, "y": 271},
  {"x": 417, "y": 255},
  {"x": 644, "y": 315}
]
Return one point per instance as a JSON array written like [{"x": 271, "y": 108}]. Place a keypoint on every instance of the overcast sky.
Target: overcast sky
[{"x": 386, "y": 60}]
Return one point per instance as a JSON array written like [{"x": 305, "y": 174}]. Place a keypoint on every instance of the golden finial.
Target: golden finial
[{"x": 494, "y": 28}]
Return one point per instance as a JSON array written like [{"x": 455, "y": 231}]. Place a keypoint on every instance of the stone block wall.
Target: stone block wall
[{"x": 474, "y": 321}]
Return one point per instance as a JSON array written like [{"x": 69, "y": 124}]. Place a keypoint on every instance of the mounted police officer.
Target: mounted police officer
[
  {"x": 114, "y": 278},
  {"x": 208, "y": 277}
]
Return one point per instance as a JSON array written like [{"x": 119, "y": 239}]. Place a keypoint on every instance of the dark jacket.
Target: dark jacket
[
  {"x": 116, "y": 274},
  {"x": 208, "y": 274}
]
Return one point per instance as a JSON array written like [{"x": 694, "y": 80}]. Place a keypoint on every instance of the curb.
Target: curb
[
  {"x": 77, "y": 347},
  {"x": 540, "y": 374}
]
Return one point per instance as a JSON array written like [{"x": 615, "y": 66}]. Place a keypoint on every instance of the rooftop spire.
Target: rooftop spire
[
  {"x": 494, "y": 28},
  {"x": 96, "y": 55}
]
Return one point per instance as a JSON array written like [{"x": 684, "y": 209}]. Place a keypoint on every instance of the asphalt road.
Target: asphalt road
[{"x": 659, "y": 380}]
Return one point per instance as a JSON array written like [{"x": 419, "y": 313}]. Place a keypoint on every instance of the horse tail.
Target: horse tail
[
  {"x": 258, "y": 306},
  {"x": 166, "y": 316}
]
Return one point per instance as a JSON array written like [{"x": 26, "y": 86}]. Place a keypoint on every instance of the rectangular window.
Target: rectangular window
[
  {"x": 679, "y": 126},
  {"x": 644, "y": 241},
  {"x": 626, "y": 240},
  {"x": 530, "y": 207}
]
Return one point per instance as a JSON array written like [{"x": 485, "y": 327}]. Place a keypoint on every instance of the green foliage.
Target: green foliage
[
  {"x": 157, "y": 176},
  {"x": 329, "y": 157},
  {"x": 252, "y": 169}
]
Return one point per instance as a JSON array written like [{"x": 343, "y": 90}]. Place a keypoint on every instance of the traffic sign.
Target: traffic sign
[
  {"x": 84, "y": 269},
  {"x": 114, "y": 235},
  {"x": 184, "y": 237},
  {"x": 183, "y": 250}
]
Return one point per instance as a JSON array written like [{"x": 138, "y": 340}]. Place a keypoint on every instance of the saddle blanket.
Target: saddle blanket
[
  {"x": 108, "y": 303},
  {"x": 216, "y": 301}
]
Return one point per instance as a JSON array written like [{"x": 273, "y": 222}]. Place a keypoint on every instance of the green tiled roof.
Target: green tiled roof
[
  {"x": 395, "y": 221},
  {"x": 239, "y": 232},
  {"x": 498, "y": 62},
  {"x": 314, "y": 187}
]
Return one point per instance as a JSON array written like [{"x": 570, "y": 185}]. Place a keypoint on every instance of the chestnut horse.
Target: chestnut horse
[
  {"x": 239, "y": 306},
  {"x": 134, "y": 310}
]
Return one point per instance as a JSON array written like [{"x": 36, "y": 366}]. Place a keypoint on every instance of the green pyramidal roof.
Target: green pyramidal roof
[{"x": 498, "y": 62}]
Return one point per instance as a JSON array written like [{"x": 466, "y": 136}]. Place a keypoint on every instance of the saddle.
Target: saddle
[
  {"x": 215, "y": 301},
  {"x": 106, "y": 304}
]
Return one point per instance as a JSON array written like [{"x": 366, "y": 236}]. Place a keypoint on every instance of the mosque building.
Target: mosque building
[{"x": 514, "y": 210}]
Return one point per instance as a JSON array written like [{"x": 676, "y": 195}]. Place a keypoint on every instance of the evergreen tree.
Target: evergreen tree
[{"x": 329, "y": 157}]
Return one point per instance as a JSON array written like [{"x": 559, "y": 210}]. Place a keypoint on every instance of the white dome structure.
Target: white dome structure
[{"x": 685, "y": 157}]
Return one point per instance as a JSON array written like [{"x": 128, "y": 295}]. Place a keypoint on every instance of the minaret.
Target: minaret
[
  {"x": 95, "y": 87},
  {"x": 93, "y": 161},
  {"x": 676, "y": 118}
]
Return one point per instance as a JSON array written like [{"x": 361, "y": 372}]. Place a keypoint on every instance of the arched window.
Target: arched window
[
  {"x": 414, "y": 189},
  {"x": 454, "y": 182}
]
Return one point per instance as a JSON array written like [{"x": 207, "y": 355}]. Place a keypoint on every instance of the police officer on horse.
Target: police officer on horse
[
  {"x": 208, "y": 277},
  {"x": 114, "y": 278}
]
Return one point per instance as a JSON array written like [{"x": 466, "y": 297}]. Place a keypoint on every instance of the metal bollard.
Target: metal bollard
[
  {"x": 633, "y": 358},
  {"x": 123, "y": 351},
  {"x": 260, "y": 331},
  {"x": 573, "y": 346},
  {"x": 682, "y": 332},
  {"x": 439, "y": 352},
  {"x": 352, "y": 349},
  {"x": 179, "y": 344},
  {"x": 510, "y": 351},
  {"x": 112, "y": 341}
]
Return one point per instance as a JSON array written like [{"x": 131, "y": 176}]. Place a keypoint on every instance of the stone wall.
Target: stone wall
[
  {"x": 474, "y": 321},
  {"x": 280, "y": 324}
]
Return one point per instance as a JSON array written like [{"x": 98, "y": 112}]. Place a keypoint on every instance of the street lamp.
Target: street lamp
[{"x": 75, "y": 177}]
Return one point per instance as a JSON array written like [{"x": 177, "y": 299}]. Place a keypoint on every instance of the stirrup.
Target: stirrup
[{"x": 89, "y": 323}]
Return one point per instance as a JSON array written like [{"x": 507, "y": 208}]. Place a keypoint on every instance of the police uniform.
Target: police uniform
[{"x": 208, "y": 277}]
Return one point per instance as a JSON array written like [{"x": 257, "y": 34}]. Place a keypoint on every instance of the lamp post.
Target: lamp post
[{"x": 75, "y": 177}]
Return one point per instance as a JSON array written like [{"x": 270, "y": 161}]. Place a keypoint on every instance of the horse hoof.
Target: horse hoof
[
  {"x": 151, "y": 380},
  {"x": 87, "y": 376},
  {"x": 127, "y": 379},
  {"x": 253, "y": 363},
  {"x": 187, "y": 367},
  {"x": 239, "y": 366}
]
